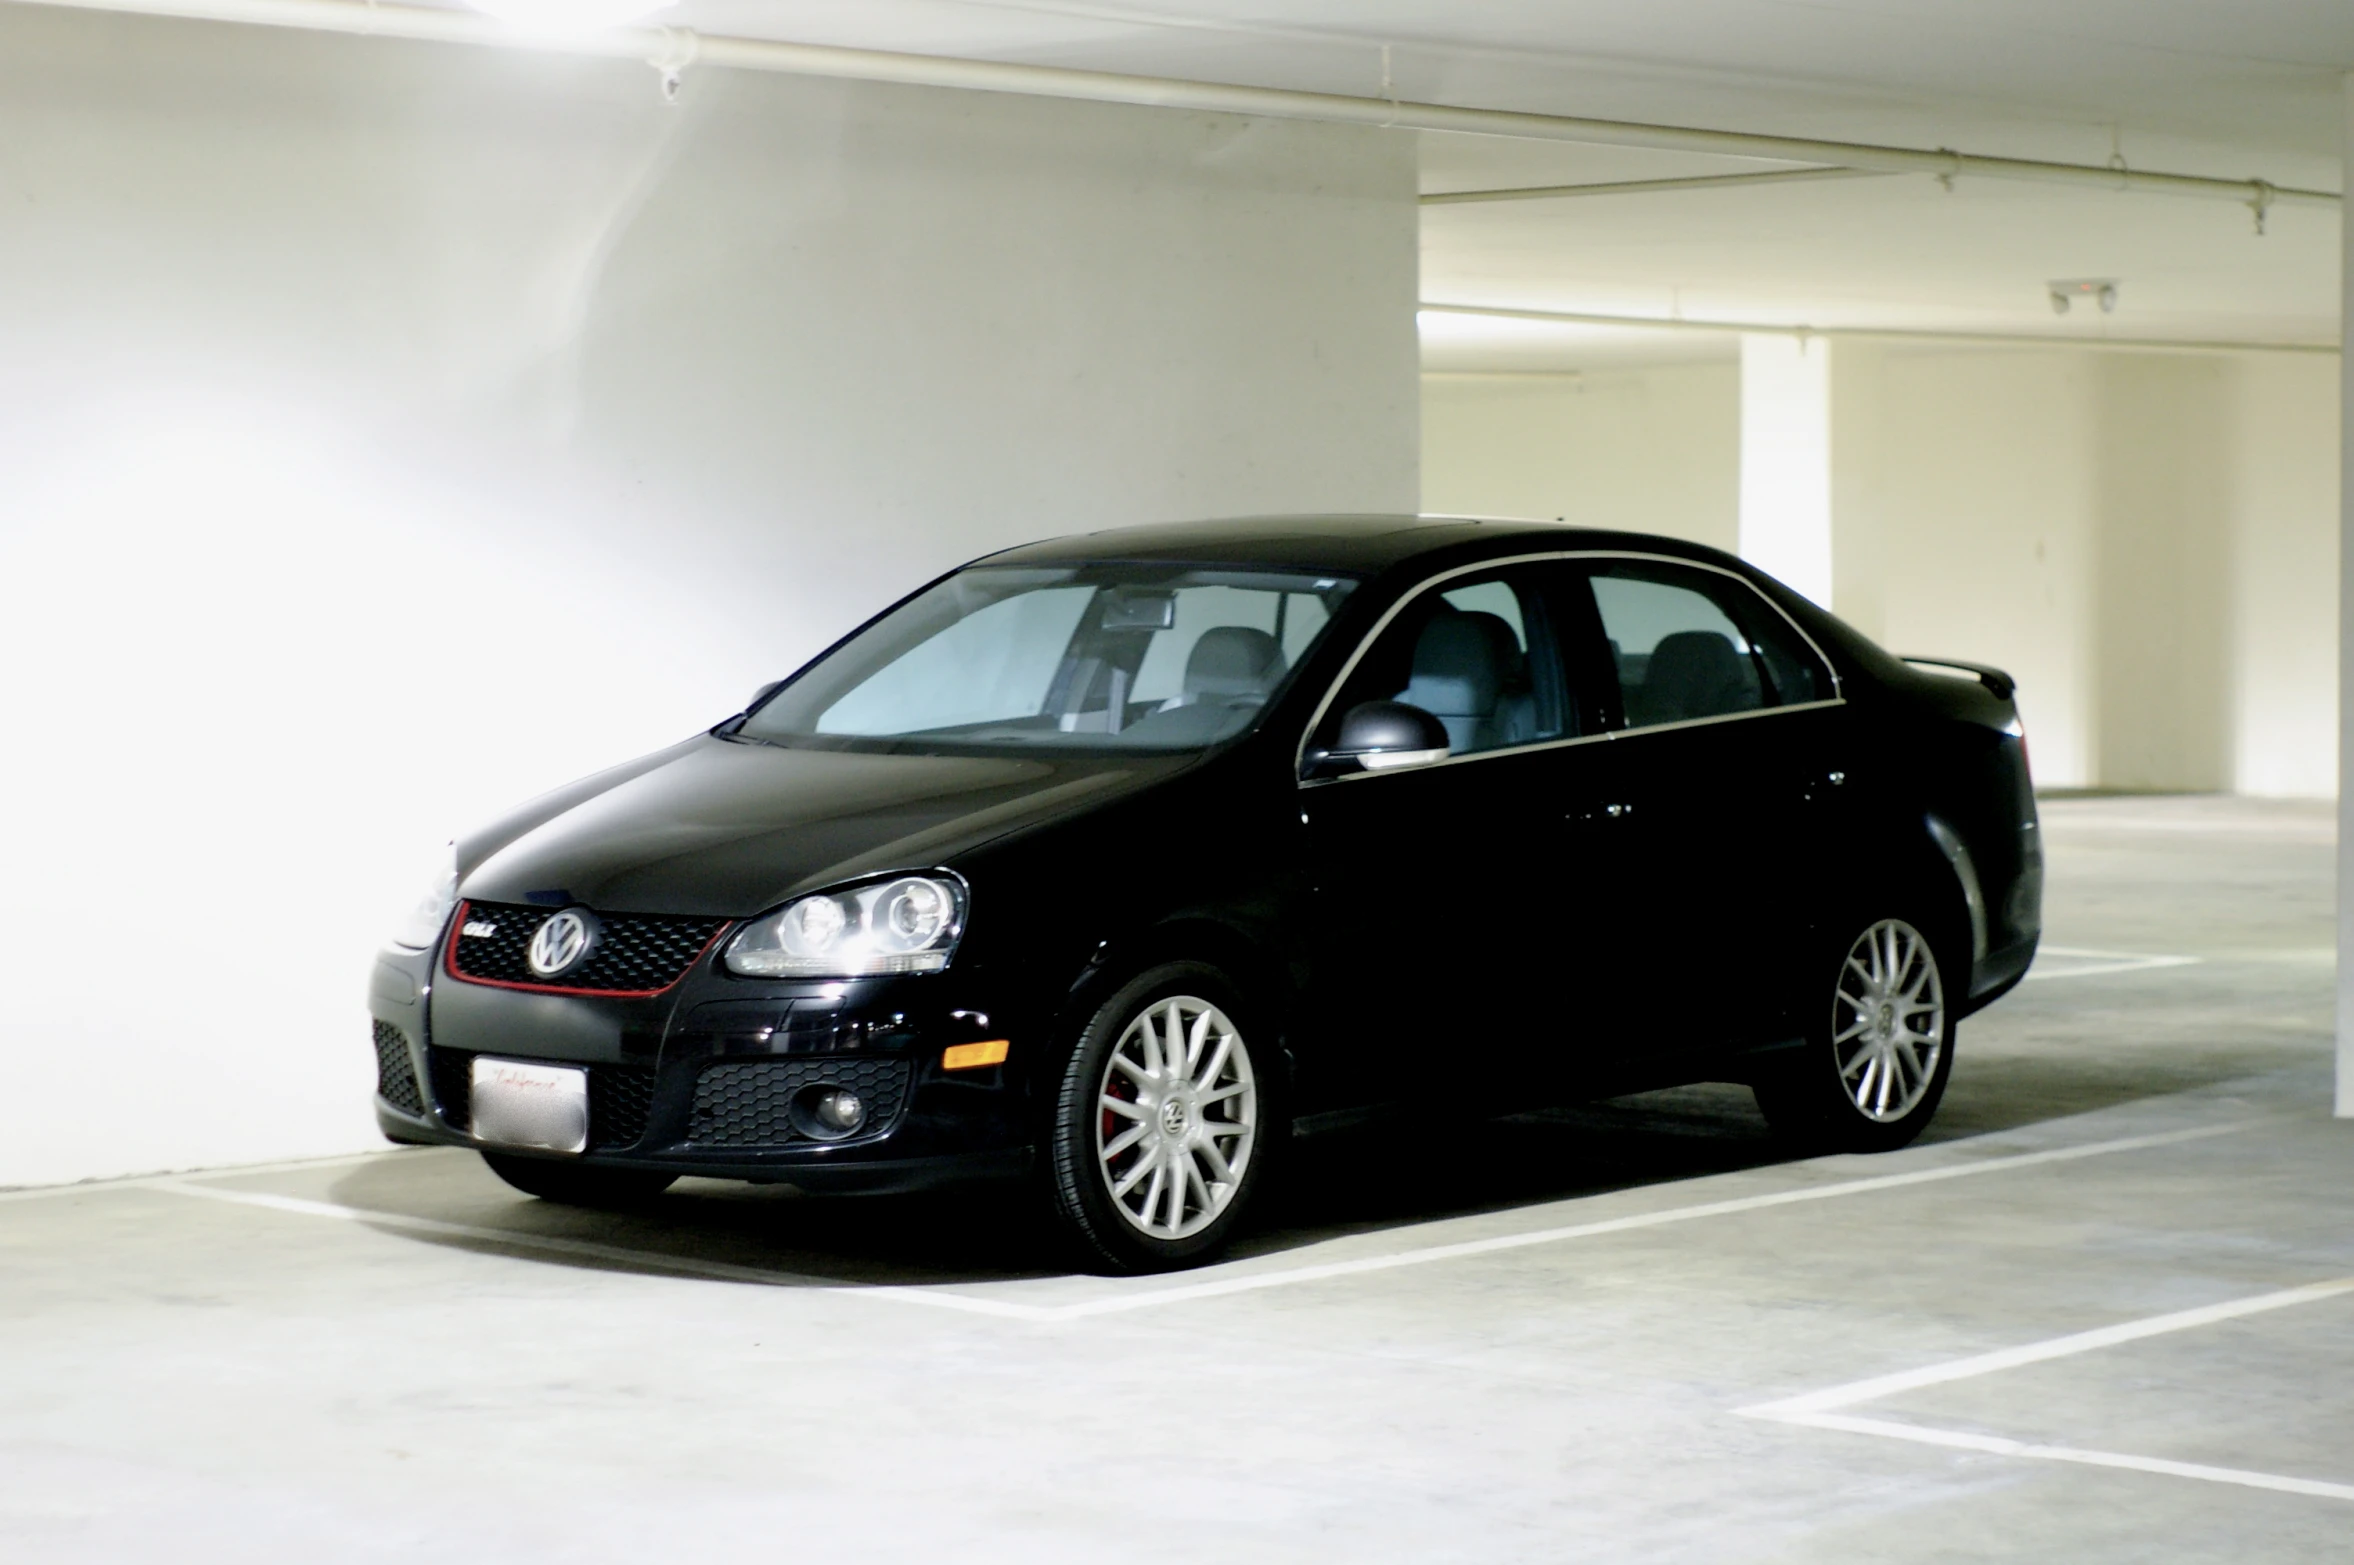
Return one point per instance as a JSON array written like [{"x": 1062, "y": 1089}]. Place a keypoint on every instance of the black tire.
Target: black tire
[
  {"x": 1102, "y": 1223},
  {"x": 578, "y": 1184},
  {"x": 1810, "y": 1097}
]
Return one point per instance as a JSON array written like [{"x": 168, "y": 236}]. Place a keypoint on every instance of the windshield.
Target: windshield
[{"x": 1093, "y": 657}]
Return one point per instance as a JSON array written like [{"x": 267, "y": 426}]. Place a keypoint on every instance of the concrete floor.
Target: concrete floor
[{"x": 1618, "y": 1333}]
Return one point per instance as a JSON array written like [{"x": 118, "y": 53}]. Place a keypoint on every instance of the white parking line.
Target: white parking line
[
  {"x": 1212, "y": 1282},
  {"x": 1996, "y": 1445},
  {"x": 231, "y": 1171},
  {"x": 1818, "y": 1409},
  {"x": 2077, "y": 962},
  {"x": 1217, "y": 1286},
  {"x": 583, "y": 1249}
]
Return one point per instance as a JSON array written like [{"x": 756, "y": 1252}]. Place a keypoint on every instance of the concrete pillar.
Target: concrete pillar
[
  {"x": 1786, "y": 460},
  {"x": 1859, "y": 489},
  {"x": 332, "y": 363},
  {"x": 2346, "y": 631}
]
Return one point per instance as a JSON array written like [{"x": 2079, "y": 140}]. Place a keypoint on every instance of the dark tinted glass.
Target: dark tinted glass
[{"x": 1690, "y": 644}]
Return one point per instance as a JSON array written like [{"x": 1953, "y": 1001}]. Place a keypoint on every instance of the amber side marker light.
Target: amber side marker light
[{"x": 972, "y": 1056}]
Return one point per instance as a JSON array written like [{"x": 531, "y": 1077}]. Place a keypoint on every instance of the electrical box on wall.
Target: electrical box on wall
[{"x": 2065, "y": 291}]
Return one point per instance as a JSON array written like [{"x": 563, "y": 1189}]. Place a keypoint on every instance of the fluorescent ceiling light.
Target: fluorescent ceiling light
[{"x": 571, "y": 16}]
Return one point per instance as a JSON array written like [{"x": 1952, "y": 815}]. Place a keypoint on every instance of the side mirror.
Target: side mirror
[
  {"x": 1380, "y": 736},
  {"x": 763, "y": 693}
]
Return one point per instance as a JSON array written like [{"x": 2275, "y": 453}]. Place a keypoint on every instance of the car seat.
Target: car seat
[
  {"x": 1513, "y": 719},
  {"x": 1232, "y": 665},
  {"x": 1694, "y": 673},
  {"x": 1458, "y": 673}
]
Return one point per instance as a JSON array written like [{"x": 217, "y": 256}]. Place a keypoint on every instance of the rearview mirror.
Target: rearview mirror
[
  {"x": 1140, "y": 608},
  {"x": 1380, "y": 736}
]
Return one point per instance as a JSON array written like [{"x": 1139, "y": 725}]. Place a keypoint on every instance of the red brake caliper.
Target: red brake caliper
[{"x": 1125, "y": 1090}]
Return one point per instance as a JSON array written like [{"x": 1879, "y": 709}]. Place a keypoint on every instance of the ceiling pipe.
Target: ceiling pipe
[
  {"x": 1874, "y": 333},
  {"x": 671, "y": 52},
  {"x": 1639, "y": 187}
]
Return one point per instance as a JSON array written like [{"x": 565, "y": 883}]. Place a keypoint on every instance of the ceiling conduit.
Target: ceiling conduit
[
  {"x": 1865, "y": 333},
  {"x": 1642, "y": 187},
  {"x": 672, "y": 51}
]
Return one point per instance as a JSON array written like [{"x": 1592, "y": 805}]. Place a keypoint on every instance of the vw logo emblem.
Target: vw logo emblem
[{"x": 561, "y": 944}]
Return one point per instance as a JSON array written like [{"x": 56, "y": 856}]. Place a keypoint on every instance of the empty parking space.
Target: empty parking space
[{"x": 1537, "y": 1336}]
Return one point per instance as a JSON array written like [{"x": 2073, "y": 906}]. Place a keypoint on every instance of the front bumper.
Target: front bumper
[{"x": 701, "y": 1079}]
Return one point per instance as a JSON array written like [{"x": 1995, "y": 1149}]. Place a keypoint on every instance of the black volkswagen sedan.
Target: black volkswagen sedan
[{"x": 1115, "y": 863}]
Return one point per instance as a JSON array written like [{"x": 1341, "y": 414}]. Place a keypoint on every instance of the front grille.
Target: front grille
[
  {"x": 396, "y": 1078},
  {"x": 745, "y": 1105},
  {"x": 636, "y": 952},
  {"x": 621, "y": 1097}
]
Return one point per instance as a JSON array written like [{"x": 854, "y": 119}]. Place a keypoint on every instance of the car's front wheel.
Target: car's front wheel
[
  {"x": 1162, "y": 1125},
  {"x": 576, "y": 1184},
  {"x": 1878, "y": 1054}
]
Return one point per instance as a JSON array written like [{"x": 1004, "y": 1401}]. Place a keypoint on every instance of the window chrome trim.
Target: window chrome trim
[{"x": 1838, "y": 695}]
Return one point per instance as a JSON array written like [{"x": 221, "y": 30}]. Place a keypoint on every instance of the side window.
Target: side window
[
  {"x": 1795, "y": 670},
  {"x": 1481, "y": 657},
  {"x": 1690, "y": 644}
]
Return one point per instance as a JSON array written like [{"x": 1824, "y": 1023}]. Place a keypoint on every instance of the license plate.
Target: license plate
[{"x": 520, "y": 1104}]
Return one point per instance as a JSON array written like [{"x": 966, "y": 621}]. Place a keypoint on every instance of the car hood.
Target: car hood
[{"x": 717, "y": 826}]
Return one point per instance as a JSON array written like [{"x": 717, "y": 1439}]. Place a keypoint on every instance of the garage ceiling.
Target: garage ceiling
[
  {"x": 2246, "y": 90},
  {"x": 2254, "y": 76}
]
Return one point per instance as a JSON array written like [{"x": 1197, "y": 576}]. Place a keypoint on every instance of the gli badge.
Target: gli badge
[{"x": 562, "y": 943}]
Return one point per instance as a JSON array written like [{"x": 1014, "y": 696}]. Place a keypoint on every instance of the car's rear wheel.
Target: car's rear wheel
[
  {"x": 1877, "y": 1057},
  {"x": 577, "y": 1184},
  {"x": 1162, "y": 1125}
]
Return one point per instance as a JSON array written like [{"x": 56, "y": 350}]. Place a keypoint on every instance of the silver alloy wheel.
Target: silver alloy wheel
[
  {"x": 1177, "y": 1117},
  {"x": 1888, "y": 1020}
]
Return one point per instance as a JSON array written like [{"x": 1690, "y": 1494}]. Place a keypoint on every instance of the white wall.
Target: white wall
[
  {"x": 1987, "y": 548},
  {"x": 2162, "y": 608},
  {"x": 393, "y": 431},
  {"x": 2284, "y": 576},
  {"x": 2147, "y": 540},
  {"x": 1656, "y": 449}
]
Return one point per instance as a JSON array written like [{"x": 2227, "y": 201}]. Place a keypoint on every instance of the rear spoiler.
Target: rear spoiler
[{"x": 1994, "y": 679}]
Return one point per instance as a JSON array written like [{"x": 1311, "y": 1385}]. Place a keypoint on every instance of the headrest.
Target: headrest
[
  {"x": 1232, "y": 662},
  {"x": 1458, "y": 674},
  {"x": 1511, "y": 662},
  {"x": 1457, "y": 666},
  {"x": 1696, "y": 673}
]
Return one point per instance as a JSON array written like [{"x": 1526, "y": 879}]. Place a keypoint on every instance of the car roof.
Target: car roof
[{"x": 1355, "y": 545}]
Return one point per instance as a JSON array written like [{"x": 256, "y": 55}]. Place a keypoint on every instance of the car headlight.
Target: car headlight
[
  {"x": 423, "y": 925},
  {"x": 905, "y": 925}
]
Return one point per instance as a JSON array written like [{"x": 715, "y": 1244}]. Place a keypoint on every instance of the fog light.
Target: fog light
[{"x": 827, "y": 1111}]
